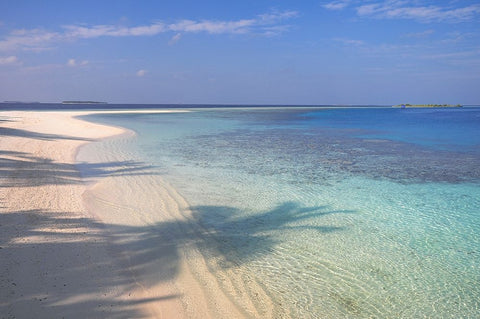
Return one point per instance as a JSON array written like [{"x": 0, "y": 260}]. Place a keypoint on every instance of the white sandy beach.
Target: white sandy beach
[{"x": 74, "y": 247}]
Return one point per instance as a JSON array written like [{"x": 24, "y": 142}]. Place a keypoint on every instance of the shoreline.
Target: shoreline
[{"x": 61, "y": 256}]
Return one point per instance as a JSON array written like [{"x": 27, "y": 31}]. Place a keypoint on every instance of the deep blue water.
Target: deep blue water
[{"x": 449, "y": 129}]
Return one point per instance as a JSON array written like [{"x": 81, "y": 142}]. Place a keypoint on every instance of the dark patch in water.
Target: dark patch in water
[{"x": 323, "y": 154}]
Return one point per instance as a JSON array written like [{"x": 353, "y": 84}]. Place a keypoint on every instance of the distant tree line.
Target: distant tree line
[{"x": 427, "y": 105}]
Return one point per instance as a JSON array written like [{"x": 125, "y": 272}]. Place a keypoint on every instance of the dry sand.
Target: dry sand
[{"x": 70, "y": 248}]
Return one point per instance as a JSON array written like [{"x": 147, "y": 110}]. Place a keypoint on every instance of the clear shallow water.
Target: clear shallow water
[{"x": 336, "y": 212}]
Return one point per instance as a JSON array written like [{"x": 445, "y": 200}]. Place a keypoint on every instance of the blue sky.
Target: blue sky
[{"x": 241, "y": 52}]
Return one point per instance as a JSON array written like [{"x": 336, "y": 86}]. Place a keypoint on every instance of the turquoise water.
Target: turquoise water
[{"x": 351, "y": 213}]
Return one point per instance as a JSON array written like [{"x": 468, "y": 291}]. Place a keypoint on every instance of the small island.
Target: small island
[
  {"x": 83, "y": 102},
  {"x": 426, "y": 105},
  {"x": 19, "y": 102}
]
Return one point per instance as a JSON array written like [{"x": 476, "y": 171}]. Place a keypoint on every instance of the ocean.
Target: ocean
[{"x": 333, "y": 212}]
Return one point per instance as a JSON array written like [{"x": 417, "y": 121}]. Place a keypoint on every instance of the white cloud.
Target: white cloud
[
  {"x": 458, "y": 37},
  {"x": 73, "y": 62},
  {"x": 255, "y": 25},
  {"x": 336, "y": 5},
  {"x": 422, "y": 34},
  {"x": 8, "y": 60},
  {"x": 273, "y": 17},
  {"x": 141, "y": 73},
  {"x": 213, "y": 27},
  {"x": 39, "y": 39},
  {"x": 350, "y": 42},
  {"x": 405, "y": 9},
  {"x": 274, "y": 30},
  {"x": 175, "y": 39},
  {"x": 85, "y": 32},
  {"x": 28, "y": 39}
]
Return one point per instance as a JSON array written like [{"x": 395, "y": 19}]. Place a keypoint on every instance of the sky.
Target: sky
[{"x": 379, "y": 52}]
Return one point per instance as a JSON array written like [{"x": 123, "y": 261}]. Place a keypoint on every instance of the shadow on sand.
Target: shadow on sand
[
  {"x": 21, "y": 169},
  {"x": 8, "y": 131},
  {"x": 25, "y": 170},
  {"x": 149, "y": 253}
]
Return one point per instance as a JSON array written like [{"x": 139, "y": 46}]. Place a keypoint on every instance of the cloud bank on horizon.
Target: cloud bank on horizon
[{"x": 341, "y": 51}]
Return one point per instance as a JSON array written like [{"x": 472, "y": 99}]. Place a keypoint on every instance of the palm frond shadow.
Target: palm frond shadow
[
  {"x": 22, "y": 169},
  {"x": 150, "y": 254}
]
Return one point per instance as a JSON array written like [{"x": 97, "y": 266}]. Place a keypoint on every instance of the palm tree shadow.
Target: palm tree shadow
[
  {"x": 241, "y": 238},
  {"x": 150, "y": 254},
  {"x": 8, "y": 131},
  {"x": 22, "y": 169},
  {"x": 63, "y": 271}
]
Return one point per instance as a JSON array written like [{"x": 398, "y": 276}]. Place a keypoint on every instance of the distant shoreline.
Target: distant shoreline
[
  {"x": 426, "y": 105},
  {"x": 83, "y": 102}
]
